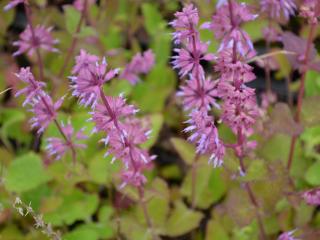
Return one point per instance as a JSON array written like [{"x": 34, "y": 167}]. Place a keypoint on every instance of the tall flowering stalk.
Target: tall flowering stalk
[
  {"x": 239, "y": 108},
  {"x": 115, "y": 118},
  {"x": 310, "y": 10}
]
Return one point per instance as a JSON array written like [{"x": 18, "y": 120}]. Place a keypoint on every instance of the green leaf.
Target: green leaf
[
  {"x": 25, "y": 173},
  {"x": 156, "y": 121},
  {"x": 215, "y": 231},
  {"x": 72, "y": 18},
  {"x": 313, "y": 174},
  {"x": 257, "y": 170},
  {"x": 182, "y": 220},
  {"x": 92, "y": 231},
  {"x": 76, "y": 205},
  {"x": 185, "y": 149},
  {"x": 153, "y": 20},
  {"x": 312, "y": 83},
  {"x": 311, "y": 111}
]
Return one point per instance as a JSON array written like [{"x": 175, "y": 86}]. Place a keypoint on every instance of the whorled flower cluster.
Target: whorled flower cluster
[
  {"x": 198, "y": 93},
  {"x": 239, "y": 108},
  {"x": 45, "y": 112},
  {"x": 310, "y": 9},
  {"x": 112, "y": 116}
]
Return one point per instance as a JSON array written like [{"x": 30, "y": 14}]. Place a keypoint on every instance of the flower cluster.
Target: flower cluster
[
  {"x": 45, "y": 112},
  {"x": 33, "y": 38},
  {"x": 275, "y": 9},
  {"x": 287, "y": 236},
  {"x": 198, "y": 92},
  {"x": 310, "y": 9},
  {"x": 312, "y": 196},
  {"x": 112, "y": 116},
  {"x": 140, "y": 63}
]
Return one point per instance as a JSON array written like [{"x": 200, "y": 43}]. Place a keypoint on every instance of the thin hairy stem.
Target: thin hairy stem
[{"x": 301, "y": 91}]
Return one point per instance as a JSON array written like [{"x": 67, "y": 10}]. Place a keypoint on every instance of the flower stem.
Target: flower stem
[{"x": 301, "y": 91}]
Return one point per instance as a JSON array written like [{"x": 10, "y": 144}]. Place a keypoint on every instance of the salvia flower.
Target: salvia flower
[
  {"x": 184, "y": 23},
  {"x": 58, "y": 146},
  {"x": 275, "y": 9},
  {"x": 85, "y": 63},
  {"x": 12, "y": 4},
  {"x": 228, "y": 28},
  {"x": 287, "y": 236},
  {"x": 140, "y": 63},
  {"x": 133, "y": 178},
  {"x": 104, "y": 120},
  {"x": 312, "y": 196},
  {"x": 31, "y": 39},
  {"x": 198, "y": 97},
  {"x": 34, "y": 88},
  {"x": 45, "y": 111},
  {"x": 188, "y": 58},
  {"x": 86, "y": 85},
  {"x": 205, "y": 135}
]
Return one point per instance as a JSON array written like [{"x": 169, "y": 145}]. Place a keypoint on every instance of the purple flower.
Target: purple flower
[
  {"x": 33, "y": 88},
  {"x": 198, "y": 97},
  {"x": 119, "y": 110},
  {"x": 271, "y": 34},
  {"x": 277, "y": 8},
  {"x": 205, "y": 135},
  {"x": 12, "y": 4},
  {"x": 86, "y": 85},
  {"x": 188, "y": 59},
  {"x": 184, "y": 23},
  {"x": 85, "y": 63},
  {"x": 287, "y": 236},
  {"x": 140, "y": 63},
  {"x": 58, "y": 146},
  {"x": 42, "y": 39},
  {"x": 45, "y": 111},
  {"x": 133, "y": 178},
  {"x": 228, "y": 29},
  {"x": 80, "y": 4},
  {"x": 124, "y": 144},
  {"x": 312, "y": 196}
]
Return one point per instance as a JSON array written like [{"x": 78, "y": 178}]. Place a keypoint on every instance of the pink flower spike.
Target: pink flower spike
[
  {"x": 33, "y": 88},
  {"x": 133, "y": 178},
  {"x": 195, "y": 97},
  {"x": 45, "y": 111},
  {"x": 310, "y": 9},
  {"x": 58, "y": 147},
  {"x": 12, "y": 4},
  {"x": 312, "y": 196},
  {"x": 86, "y": 85},
  {"x": 43, "y": 39}
]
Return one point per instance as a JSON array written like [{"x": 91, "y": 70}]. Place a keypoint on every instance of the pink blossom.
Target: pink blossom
[
  {"x": 198, "y": 97},
  {"x": 34, "y": 88},
  {"x": 119, "y": 110},
  {"x": 85, "y": 63},
  {"x": 45, "y": 111},
  {"x": 140, "y": 63},
  {"x": 42, "y": 39},
  {"x": 80, "y": 4},
  {"x": 277, "y": 8},
  {"x": 12, "y": 4},
  {"x": 58, "y": 146},
  {"x": 227, "y": 28},
  {"x": 287, "y": 236},
  {"x": 188, "y": 58},
  {"x": 271, "y": 34},
  {"x": 205, "y": 135},
  {"x": 133, "y": 178},
  {"x": 86, "y": 85},
  {"x": 312, "y": 196},
  {"x": 184, "y": 23}
]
